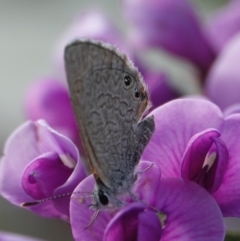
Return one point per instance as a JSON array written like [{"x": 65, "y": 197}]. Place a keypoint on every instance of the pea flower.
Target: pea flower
[
  {"x": 168, "y": 209},
  {"x": 45, "y": 164},
  {"x": 224, "y": 24},
  {"x": 195, "y": 141},
  {"x": 39, "y": 163},
  {"x": 172, "y": 25},
  {"x": 48, "y": 99},
  {"x": 223, "y": 81}
]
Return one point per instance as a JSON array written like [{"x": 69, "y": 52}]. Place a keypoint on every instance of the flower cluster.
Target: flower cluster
[
  {"x": 169, "y": 207},
  {"x": 188, "y": 177}
]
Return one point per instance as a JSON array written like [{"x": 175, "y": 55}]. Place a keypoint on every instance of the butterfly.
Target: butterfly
[{"x": 109, "y": 99}]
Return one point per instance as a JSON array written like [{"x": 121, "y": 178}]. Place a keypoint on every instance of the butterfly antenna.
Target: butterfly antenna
[
  {"x": 28, "y": 204},
  {"x": 82, "y": 197}
]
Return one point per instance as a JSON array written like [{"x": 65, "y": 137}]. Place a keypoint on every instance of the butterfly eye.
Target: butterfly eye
[
  {"x": 103, "y": 198},
  {"x": 127, "y": 81},
  {"x": 137, "y": 93}
]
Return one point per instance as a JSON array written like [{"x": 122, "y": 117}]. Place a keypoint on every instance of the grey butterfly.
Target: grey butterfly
[{"x": 109, "y": 99}]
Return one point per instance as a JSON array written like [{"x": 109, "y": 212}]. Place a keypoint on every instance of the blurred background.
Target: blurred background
[{"x": 28, "y": 33}]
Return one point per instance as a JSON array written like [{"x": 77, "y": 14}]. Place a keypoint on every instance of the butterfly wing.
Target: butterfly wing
[{"x": 109, "y": 99}]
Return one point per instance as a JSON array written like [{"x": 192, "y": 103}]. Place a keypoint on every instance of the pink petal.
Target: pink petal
[
  {"x": 176, "y": 122},
  {"x": 228, "y": 195},
  {"x": 196, "y": 152},
  {"x": 223, "y": 81}
]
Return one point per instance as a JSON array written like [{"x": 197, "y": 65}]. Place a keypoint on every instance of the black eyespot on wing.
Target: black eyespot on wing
[
  {"x": 137, "y": 93},
  {"x": 103, "y": 198},
  {"x": 127, "y": 81}
]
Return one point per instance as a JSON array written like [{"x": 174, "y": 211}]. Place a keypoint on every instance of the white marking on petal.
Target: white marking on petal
[
  {"x": 67, "y": 160},
  {"x": 209, "y": 160}
]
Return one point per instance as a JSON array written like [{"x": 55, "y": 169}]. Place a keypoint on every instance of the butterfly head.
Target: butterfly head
[{"x": 105, "y": 198}]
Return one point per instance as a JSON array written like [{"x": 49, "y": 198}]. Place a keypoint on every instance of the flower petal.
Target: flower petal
[
  {"x": 27, "y": 143},
  {"x": 133, "y": 223},
  {"x": 192, "y": 213},
  {"x": 17, "y": 155},
  {"x": 149, "y": 226},
  {"x": 228, "y": 194},
  {"x": 48, "y": 99},
  {"x": 175, "y": 123},
  {"x": 124, "y": 226},
  {"x": 232, "y": 109},
  {"x": 196, "y": 151},
  {"x": 149, "y": 176},
  {"x": 44, "y": 174},
  {"x": 222, "y": 84},
  {"x": 224, "y": 25},
  {"x": 171, "y": 24},
  {"x": 216, "y": 173}
]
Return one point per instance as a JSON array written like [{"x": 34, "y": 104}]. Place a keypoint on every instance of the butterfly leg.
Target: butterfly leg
[{"x": 145, "y": 169}]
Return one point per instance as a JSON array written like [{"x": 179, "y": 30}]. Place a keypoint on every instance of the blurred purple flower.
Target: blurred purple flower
[
  {"x": 160, "y": 89},
  {"x": 193, "y": 140},
  {"x": 95, "y": 25},
  {"x": 223, "y": 81},
  {"x": 232, "y": 109},
  {"x": 189, "y": 212},
  {"x": 39, "y": 163},
  {"x": 5, "y": 236},
  {"x": 48, "y": 99},
  {"x": 92, "y": 24},
  {"x": 224, "y": 25},
  {"x": 172, "y": 25}
]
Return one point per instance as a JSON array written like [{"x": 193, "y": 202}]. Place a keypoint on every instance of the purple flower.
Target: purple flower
[
  {"x": 39, "y": 163},
  {"x": 95, "y": 25},
  {"x": 172, "y": 25},
  {"x": 48, "y": 99},
  {"x": 5, "y": 236},
  {"x": 92, "y": 24},
  {"x": 159, "y": 88},
  {"x": 189, "y": 212},
  {"x": 223, "y": 81},
  {"x": 232, "y": 109},
  {"x": 194, "y": 141},
  {"x": 224, "y": 25}
]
